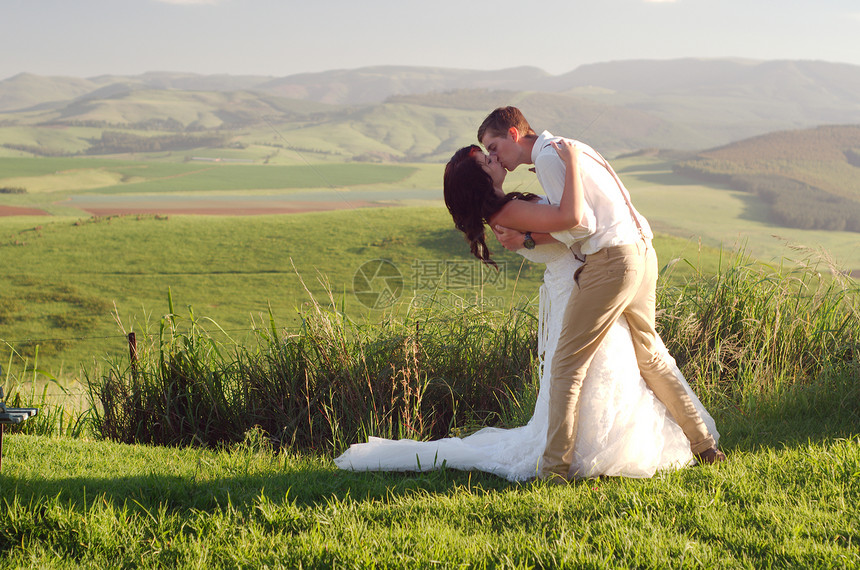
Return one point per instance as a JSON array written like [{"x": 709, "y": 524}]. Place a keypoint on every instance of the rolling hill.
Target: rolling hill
[
  {"x": 686, "y": 104},
  {"x": 422, "y": 128},
  {"x": 809, "y": 178},
  {"x": 25, "y": 90},
  {"x": 376, "y": 84}
]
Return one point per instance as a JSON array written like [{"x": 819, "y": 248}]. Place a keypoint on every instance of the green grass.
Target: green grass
[
  {"x": 64, "y": 282},
  {"x": 60, "y": 288},
  {"x": 206, "y": 177},
  {"x": 674, "y": 204},
  {"x": 30, "y": 167},
  {"x": 62, "y": 174},
  {"x": 57, "y": 140},
  {"x": 97, "y": 504}
]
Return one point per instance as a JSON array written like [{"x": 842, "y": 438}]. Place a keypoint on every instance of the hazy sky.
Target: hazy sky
[{"x": 85, "y": 38}]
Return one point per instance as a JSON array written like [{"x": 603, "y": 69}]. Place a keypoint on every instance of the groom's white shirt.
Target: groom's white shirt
[{"x": 607, "y": 220}]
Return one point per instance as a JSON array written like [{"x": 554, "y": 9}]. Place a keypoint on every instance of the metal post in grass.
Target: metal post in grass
[{"x": 132, "y": 352}]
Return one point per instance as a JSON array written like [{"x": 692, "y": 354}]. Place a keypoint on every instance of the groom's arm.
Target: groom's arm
[{"x": 550, "y": 170}]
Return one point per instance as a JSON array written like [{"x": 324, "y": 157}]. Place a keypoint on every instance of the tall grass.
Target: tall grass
[
  {"x": 20, "y": 389},
  {"x": 754, "y": 335},
  {"x": 331, "y": 384},
  {"x": 751, "y": 337}
]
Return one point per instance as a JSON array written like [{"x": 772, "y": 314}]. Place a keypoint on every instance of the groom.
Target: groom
[{"x": 618, "y": 279}]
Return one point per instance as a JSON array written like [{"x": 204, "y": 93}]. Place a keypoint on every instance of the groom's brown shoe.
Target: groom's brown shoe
[{"x": 710, "y": 456}]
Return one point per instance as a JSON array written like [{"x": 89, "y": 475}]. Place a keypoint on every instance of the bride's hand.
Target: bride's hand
[
  {"x": 511, "y": 240},
  {"x": 566, "y": 150}
]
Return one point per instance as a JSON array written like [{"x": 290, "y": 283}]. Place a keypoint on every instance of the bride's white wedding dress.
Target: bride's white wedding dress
[{"x": 623, "y": 429}]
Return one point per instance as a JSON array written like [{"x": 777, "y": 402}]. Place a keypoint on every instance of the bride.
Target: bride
[{"x": 623, "y": 429}]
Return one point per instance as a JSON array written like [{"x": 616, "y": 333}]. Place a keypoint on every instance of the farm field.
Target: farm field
[
  {"x": 675, "y": 204},
  {"x": 48, "y": 182},
  {"x": 63, "y": 273},
  {"x": 69, "y": 275}
]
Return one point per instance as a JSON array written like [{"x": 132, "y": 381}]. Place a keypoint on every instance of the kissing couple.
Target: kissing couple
[{"x": 611, "y": 400}]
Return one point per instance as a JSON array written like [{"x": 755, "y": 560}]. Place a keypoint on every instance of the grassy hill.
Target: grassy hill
[
  {"x": 415, "y": 128},
  {"x": 415, "y": 113},
  {"x": 743, "y": 193},
  {"x": 715, "y": 101},
  {"x": 130, "y": 106},
  {"x": 615, "y": 129},
  {"x": 26, "y": 91},
  {"x": 376, "y": 84},
  {"x": 64, "y": 276},
  {"x": 809, "y": 179}
]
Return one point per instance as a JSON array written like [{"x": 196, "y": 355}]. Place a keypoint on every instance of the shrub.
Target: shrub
[
  {"x": 754, "y": 333},
  {"x": 331, "y": 384}
]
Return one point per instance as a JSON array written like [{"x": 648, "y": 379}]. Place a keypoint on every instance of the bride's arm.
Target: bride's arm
[
  {"x": 513, "y": 239},
  {"x": 524, "y": 216}
]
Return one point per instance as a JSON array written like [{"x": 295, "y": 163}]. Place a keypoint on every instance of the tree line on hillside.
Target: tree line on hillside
[
  {"x": 154, "y": 124},
  {"x": 36, "y": 150},
  {"x": 116, "y": 142},
  {"x": 790, "y": 202}
]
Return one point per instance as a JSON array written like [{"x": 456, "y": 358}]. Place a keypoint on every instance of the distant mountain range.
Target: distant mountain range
[{"x": 685, "y": 104}]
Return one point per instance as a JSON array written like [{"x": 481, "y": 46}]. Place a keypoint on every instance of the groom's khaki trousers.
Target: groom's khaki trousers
[{"x": 614, "y": 282}]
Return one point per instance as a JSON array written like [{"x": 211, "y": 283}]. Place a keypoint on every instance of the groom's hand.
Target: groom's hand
[{"x": 510, "y": 239}]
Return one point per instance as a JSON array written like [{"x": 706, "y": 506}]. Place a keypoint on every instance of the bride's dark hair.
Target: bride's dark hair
[{"x": 472, "y": 200}]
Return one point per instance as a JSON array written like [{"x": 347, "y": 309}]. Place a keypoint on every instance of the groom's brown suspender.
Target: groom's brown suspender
[{"x": 603, "y": 162}]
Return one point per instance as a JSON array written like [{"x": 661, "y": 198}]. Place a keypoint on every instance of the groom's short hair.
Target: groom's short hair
[{"x": 500, "y": 120}]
